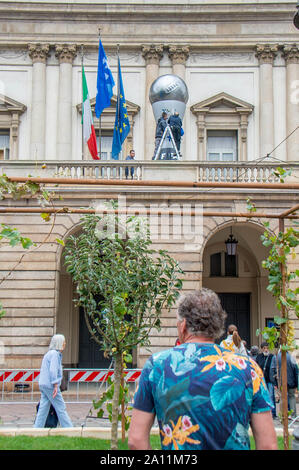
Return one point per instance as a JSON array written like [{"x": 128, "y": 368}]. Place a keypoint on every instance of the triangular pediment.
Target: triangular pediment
[
  {"x": 222, "y": 102},
  {"x": 131, "y": 107},
  {"x": 8, "y": 105}
]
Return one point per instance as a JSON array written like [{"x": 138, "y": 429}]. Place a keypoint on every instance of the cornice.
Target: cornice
[{"x": 42, "y": 11}]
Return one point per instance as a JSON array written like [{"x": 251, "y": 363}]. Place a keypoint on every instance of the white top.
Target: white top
[{"x": 230, "y": 345}]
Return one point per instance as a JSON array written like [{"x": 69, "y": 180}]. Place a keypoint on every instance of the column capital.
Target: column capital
[
  {"x": 65, "y": 53},
  {"x": 152, "y": 53},
  {"x": 291, "y": 53},
  {"x": 178, "y": 54},
  {"x": 38, "y": 52},
  {"x": 266, "y": 53}
]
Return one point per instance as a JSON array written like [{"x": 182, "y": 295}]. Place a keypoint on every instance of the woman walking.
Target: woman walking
[{"x": 49, "y": 385}]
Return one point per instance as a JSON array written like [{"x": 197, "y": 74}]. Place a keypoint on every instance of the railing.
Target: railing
[
  {"x": 245, "y": 172},
  {"x": 83, "y": 385}
]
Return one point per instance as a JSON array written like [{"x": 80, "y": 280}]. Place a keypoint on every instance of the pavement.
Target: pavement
[{"x": 15, "y": 417}]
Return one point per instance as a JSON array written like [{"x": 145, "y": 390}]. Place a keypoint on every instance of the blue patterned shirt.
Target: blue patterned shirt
[{"x": 203, "y": 396}]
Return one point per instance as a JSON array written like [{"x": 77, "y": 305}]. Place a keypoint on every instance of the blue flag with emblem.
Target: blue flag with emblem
[
  {"x": 105, "y": 83},
  {"x": 122, "y": 123}
]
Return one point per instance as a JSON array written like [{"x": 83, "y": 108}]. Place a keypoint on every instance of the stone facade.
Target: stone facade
[{"x": 240, "y": 64}]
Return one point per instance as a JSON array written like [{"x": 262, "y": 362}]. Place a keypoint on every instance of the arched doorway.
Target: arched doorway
[
  {"x": 240, "y": 281},
  {"x": 82, "y": 350}
]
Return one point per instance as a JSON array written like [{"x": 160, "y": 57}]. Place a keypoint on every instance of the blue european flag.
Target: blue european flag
[
  {"x": 105, "y": 83},
  {"x": 122, "y": 123}
]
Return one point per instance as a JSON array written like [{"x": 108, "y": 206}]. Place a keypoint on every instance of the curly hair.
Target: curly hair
[{"x": 203, "y": 313}]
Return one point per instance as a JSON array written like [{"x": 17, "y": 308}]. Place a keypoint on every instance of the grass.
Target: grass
[{"x": 75, "y": 443}]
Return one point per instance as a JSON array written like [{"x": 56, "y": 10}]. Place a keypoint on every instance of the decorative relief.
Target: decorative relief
[
  {"x": 65, "y": 53},
  {"x": 178, "y": 54},
  {"x": 39, "y": 52},
  {"x": 152, "y": 53},
  {"x": 266, "y": 53},
  {"x": 133, "y": 57},
  {"x": 217, "y": 56},
  {"x": 291, "y": 54},
  {"x": 13, "y": 54}
]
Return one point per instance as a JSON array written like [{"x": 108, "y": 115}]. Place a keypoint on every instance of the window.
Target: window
[
  {"x": 223, "y": 265},
  {"x": 215, "y": 265},
  {"x": 106, "y": 146},
  {"x": 4, "y": 144},
  {"x": 222, "y": 146}
]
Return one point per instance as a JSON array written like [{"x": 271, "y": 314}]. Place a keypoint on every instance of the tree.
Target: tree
[
  {"x": 123, "y": 285},
  {"x": 281, "y": 246}
]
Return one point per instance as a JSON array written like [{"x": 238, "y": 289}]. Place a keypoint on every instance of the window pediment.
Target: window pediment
[
  {"x": 222, "y": 102},
  {"x": 8, "y": 105}
]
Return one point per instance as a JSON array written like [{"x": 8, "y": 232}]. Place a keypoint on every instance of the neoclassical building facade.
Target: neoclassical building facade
[{"x": 240, "y": 62}]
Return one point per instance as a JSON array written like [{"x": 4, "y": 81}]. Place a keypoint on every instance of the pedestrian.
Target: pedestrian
[
  {"x": 203, "y": 396},
  {"x": 160, "y": 128},
  {"x": 292, "y": 379},
  {"x": 233, "y": 341},
  {"x": 49, "y": 384},
  {"x": 264, "y": 359},
  {"x": 131, "y": 156},
  {"x": 254, "y": 350},
  {"x": 175, "y": 124}
]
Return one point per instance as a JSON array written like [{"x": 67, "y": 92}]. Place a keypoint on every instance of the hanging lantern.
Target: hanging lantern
[{"x": 231, "y": 245}]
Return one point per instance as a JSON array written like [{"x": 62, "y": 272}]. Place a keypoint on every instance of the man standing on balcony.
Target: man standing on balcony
[
  {"x": 131, "y": 156},
  {"x": 175, "y": 124}
]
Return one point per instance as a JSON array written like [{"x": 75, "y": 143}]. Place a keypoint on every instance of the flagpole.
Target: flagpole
[
  {"x": 118, "y": 84},
  {"x": 100, "y": 133},
  {"x": 82, "y": 131}
]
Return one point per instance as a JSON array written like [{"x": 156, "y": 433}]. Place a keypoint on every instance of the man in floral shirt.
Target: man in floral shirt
[{"x": 204, "y": 397}]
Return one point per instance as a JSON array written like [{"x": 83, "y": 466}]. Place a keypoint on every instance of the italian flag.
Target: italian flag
[{"x": 89, "y": 135}]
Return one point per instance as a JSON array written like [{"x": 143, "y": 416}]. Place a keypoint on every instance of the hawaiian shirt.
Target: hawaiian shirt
[{"x": 203, "y": 396}]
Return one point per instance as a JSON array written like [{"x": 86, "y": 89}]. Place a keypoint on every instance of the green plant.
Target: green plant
[
  {"x": 123, "y": 285},
  {"x": 281, "y": 246}
]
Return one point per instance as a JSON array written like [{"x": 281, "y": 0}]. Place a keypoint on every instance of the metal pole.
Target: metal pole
[
  {"x": 82, "y": 133},
  {"x": 100, "y": 132},
  {"x": 66, "y": 210},
  {"x": 181, "y": 184}
]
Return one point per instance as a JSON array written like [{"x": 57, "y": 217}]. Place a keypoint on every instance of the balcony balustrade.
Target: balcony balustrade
[{"x": 242, "y": 172}]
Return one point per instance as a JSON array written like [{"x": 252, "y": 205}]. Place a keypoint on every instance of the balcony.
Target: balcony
[{"x": 187, "y": 171}]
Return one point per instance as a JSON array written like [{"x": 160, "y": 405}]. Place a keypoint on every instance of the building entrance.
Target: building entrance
[
  {"x": 90, "y": 354},
  {"x": 237, "y": 307}
]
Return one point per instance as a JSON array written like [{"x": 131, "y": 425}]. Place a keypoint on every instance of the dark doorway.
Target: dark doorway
[
  {"x": 237, "y": 307},
  {"x": 90, "y": 354}
]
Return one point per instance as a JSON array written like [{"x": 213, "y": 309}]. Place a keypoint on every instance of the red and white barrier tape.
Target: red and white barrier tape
[
  {"x": 19, "y": 376},
  {"x": 74, "y": 375},
  {"x": 101, "y": 375}
]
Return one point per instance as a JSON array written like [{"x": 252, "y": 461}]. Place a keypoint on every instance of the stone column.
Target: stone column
[
  {"x": 179, "y": 56},
  {"x": 291, "y": 55},
  {"x": 65, "y": 54},
  {"x": 152, "y": 55},
  {"x": 38, "y": 53},
  {"x": 266, "y": 55}
]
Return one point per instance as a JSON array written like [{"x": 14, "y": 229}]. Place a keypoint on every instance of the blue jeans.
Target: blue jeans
[
  {"x": 270, "y": 387},
  {"x": 292, "y": 401},
  {"x": 44, "y": 406}
]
